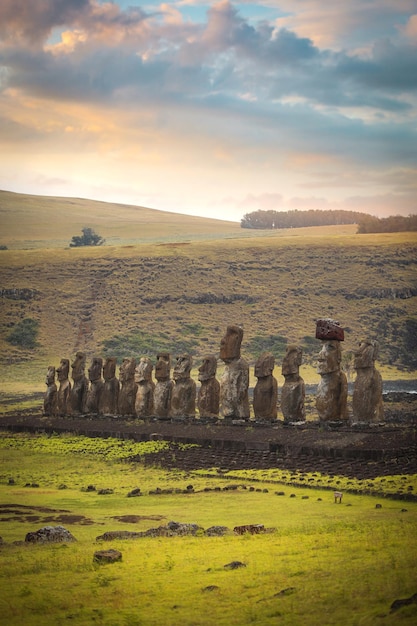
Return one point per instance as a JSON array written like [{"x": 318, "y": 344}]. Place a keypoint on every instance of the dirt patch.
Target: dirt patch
[
  {"x": 134, "y": 519},
  {"x": 26, "y": 513}
]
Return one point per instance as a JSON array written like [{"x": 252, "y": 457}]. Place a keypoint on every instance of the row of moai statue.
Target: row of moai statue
[{"x": 135, "y": 394}]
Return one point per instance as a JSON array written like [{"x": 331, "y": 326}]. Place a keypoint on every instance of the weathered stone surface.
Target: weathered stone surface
[
  {"x": 252, "y": 529},
  {"x": 234, "y": 400},
  {"x": 163, "y": 387},
  {"x": 78, "y": 394},
  {"x": 49, "y": 534},
  {"x": 367, "y": 402},
  {"x": 50, "y": 401},
  {"x": 64, "y": 387},
  {"x": 293, "y": 390},
  {"x": 107, "y": 556},
  {"x": 331, "y": 395},
  {"x": 208, "y": 401},
  {"x": 234, "y": 565},
  {"x": 144, "y": 403},
  {"x": 184, "y": 390},
  {"x": 109, "y": 396},
  {"x": 217, "y": 531},
  {"x": 265, "y": 393},
  {"x": 329, "y": 329},
  {"x": 96, "y": 385},
  {"x": 128, "y": 389}
]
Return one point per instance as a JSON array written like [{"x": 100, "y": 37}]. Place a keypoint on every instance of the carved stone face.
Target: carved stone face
[
  {"x": 365, "y": 354},
  {"x": 292, "y": 360},
  {"x": 95, "y": 369},
  {"x": 162, "y": 367},
  {"x": 208, "y": 368},
  {"x": 50, "y": 375},
  {"x": 182, "y": 367},
  {"x": 63, "y": 369},
  {"x": 143, "y": 371},
  {"x": 230, "y": 344},
  {"x": 109, "y": 368},
  {"x": 264, "y": 366},
  {"x": 78, "y": 366},
  {"x": 329, "y": 357},
  {"x": 127, "y": 370}
]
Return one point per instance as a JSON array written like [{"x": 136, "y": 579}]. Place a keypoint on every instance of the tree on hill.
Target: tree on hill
[
  {"x": 298, "y": 219},
  {"x": 88, "y": 238}
]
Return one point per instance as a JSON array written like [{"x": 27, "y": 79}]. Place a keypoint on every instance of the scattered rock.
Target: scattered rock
[
  {"x": 285, "y": 592},
  {"x": 12, "y": 481},
  {"x": 234, "y": 565},
  {"x": 216, "y": 531},
  {"x": 210, "y": 588},
  {"x": 134, "y": 493},
  {"x": 105, "y": 492},
  {"x": 49, "y": 534},
  {"x": 378, "y": 506},
  {"x": 107, "y": 556}
]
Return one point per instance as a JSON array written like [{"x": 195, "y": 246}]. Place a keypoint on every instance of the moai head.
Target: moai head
[
  {"x": 163, "y": 366},
  {"x": 109, "y": 368},
  {"x": 95, "y": 369},
  {"x": 78, "y": 366},
  {"x": 63, "y": 370},
  {"x": 365, "y": 354},
  {"x": 329, "y": 357},
  {"x": 208, "y": 368},
  {"x": 143, "y": 372},
  {"x": 265, "y": 364},
  {"x": 182, "y": 367},
  {"x": 127, "y": 370},
  {"x": 50, "y": 375},
  {"x": 292, "y": 360},
  {"x": 230, "y": 344}
]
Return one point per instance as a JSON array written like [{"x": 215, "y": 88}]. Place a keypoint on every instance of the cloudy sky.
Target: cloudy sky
[{"x": 212, "y": 108}]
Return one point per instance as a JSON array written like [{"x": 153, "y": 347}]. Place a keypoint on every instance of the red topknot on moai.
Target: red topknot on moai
[{"x": 331, "y": 398}]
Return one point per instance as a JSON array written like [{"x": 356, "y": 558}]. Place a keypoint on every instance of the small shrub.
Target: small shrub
[
  {"x": 24, "y": 334},
  {"x": 88, "y": 238}
]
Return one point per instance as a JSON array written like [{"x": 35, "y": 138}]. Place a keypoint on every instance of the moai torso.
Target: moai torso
[
  {"x": 293, "y": 390},
  {"x": 163, "y": 386},
  {"x": 265, "y": 393},
  {"x": 109, "y": 397},
  {"x": 128, "y": 388},
  {"x": 78, "y": 394},
  {"x": 50, "y": 402},
  {"x": 184, "y": 390},
  {"x": 367, "y": 402},
  {"x": 64, "y": 387},
  {"x": 144, "y": 403},
  {"x": 96, "y": 385},
  {"x": 234, "y": 383},
  {"x": 208, "y": 401},
  {"x": 331, "y": 395}
]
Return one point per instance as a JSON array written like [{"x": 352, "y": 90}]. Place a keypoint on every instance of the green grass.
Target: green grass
[{"x": 322, "y": 564}]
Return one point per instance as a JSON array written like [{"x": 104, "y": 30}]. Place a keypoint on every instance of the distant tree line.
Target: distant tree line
[
  {"x": 297, "y": 219},
  {"x": 392, "y": 224}
]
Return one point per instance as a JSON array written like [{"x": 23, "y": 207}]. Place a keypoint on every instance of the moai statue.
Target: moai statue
[
  {"x": 367, "y": 403},
  {"x": 331, "y": 397},
  {"x": 128, "y": 388},
  {"x": 144, "y": 405},
  {"x": 50, "y": 401},
  {"x": 163, "y": 387},
  {"x": 79, "y": 390},
  {"x": 96, "y": 385},
  {"x": 234, "y": 383},
  {"x": 184, "y": 390},
  {"x": 64, "y": 387},
  {"x": 265, "y": 393},
  {"x": 209, "y": 393},
  {"x": 293, "y": 390},
  {"x": 109, "y": 396}
]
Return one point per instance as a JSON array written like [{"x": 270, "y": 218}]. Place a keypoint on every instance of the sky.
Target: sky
[{"x": 214, "y": 109}]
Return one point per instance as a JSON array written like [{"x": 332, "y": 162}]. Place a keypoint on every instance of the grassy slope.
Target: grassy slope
[
  {"x": 340, "y": 564},
  {"x": 273, "y": 283}
]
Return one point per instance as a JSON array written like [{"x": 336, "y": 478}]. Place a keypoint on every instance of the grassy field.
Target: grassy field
[
  {"x": 321, "y": 563},
  {"x": 172, "y": 282}
]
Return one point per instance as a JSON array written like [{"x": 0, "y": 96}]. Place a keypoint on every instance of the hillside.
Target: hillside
[{"x": 138, "y": 299}]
